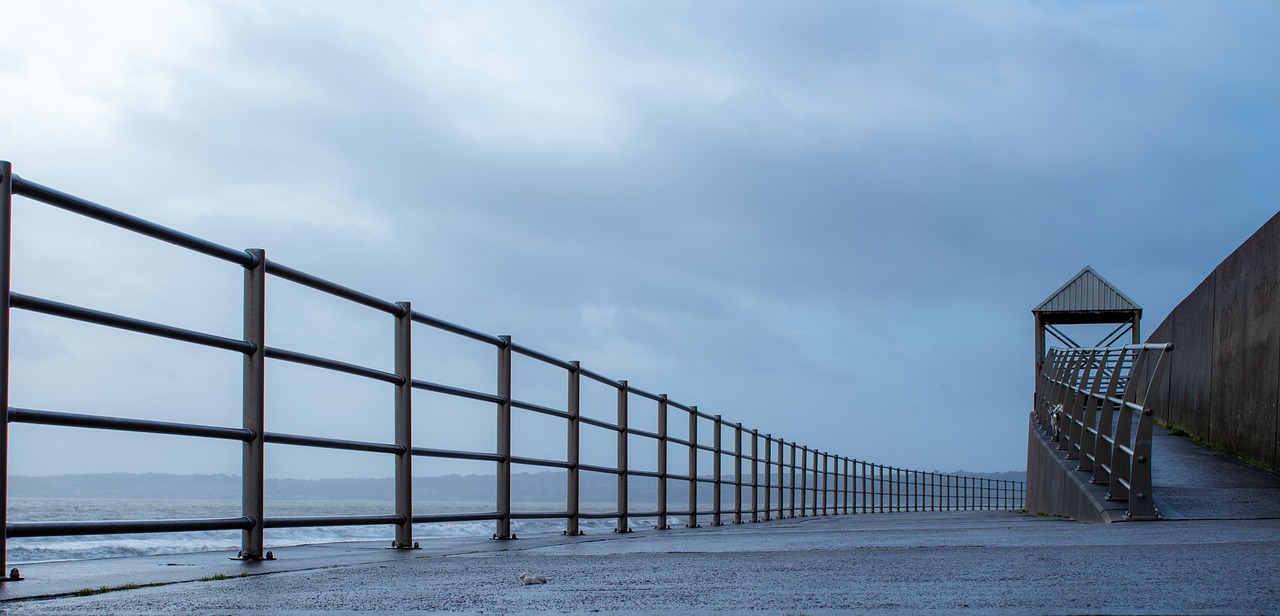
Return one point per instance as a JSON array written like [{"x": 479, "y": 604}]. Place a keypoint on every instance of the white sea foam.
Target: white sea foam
[{"x": 43, "y": 549}]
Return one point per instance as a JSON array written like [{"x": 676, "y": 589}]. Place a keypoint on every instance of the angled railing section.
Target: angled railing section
[
  {"x": 1092, "y": 403},
  {"x": 781, "y": 478}
]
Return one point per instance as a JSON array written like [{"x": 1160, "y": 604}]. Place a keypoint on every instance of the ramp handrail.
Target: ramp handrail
[
  {"x": 786, "y": 479},
  {"x": 1092, "y": 402}
]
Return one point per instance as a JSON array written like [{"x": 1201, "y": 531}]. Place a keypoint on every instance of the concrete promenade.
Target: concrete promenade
[{"x": 1216, "y": 555}]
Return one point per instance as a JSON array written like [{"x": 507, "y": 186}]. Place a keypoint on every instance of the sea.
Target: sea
[{"x": 45, "y": 549}]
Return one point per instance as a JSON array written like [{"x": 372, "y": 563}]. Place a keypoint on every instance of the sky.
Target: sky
[{"x": 828, "y": 221}]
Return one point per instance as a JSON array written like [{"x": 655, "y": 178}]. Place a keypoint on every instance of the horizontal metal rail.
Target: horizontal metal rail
[
  {"x": 345, "y": 520},
  {"x": 465, "y": 332},
  {"x": 123, "y": 527},
  {"x": 540, "y": 356},
  {"x": 458, "y": 392},
  {"x": 89, "y": 209},
  {"x": 334, "y": 289},
  {"x": 540, "y": 462},
  {"x": 539, "y": 515},
  {"x": 767, "y": 478},
  {"x": 102, "y": 422},
  {"x": 331, "y": 443},
  {"x": 543, "y": 410},
  {"x": 333, "y": 364},
  {"x": 429, "y": 452},
  {"x": 432, "y": 518},
  {"x": 97, "y": 317}
]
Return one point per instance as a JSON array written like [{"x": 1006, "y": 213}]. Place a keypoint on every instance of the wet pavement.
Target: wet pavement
[{"x": 1214, "y": 554}]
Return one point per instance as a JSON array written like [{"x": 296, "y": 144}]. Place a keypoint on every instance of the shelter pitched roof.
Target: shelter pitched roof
[{"x": 1087, "y": 292}]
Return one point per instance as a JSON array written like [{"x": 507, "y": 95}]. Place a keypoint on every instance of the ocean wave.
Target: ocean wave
[{"x": 24, "y": 550}]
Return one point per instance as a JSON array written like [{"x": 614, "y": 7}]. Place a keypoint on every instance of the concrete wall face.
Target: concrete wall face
[
  {"x": 1158, "y": 400},
  {"x": 1246, "y": 349},
  {"x": 1224, "y": 373},
  {"x": 1192, "y": 360}
]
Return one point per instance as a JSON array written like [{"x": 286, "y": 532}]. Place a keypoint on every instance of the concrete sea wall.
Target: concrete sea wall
[{"x": 1223, "y": 385}]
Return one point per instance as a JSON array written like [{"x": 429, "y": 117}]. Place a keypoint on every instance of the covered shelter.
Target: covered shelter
[{"x": 1086, "y": 298}]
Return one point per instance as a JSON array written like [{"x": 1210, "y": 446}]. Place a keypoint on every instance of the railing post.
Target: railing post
[
  {"x": 782, "y": 450},
  {"x": 894, "y": 490},
  {"x": 871, "y": 488},
  {"x": 816, "y": 470},
  {"x": 826, "y": 482},
  {"x": 849, "y": 466},
  {"x": 623, "y": 477},
  {"x": 693, "y": 468},
  {"x": 882, "y": 476},
  {"x": 737, "y": 473},
  {"x": 768, "y": 476},
  {"x": 662, "y": 462},
  {"x": 251, "y": 467},
  {"x": 573, "y": 502},
  {"x": 804, "y": 480},
  {"x": 755, "y": 475},
  {"x": 715, "y": 471},
  {"x": 791, "y": 502},
  {"x": 404, "y": 425},
  {"x": 504, "y": 441},
  {"x": 6, "y": 255},
  {"x": 859, "y": 488}
]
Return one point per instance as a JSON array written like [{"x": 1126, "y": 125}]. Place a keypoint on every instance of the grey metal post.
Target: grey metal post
[
  {"x": 623, "y": 525},
  {"x": 859, "y": 488},
  {"x": 864, "y": 476},
  {"x": 900, "y": 477},
  {"x": 782, "y": 450},
  {"x": 755, "y": 475},
  {"x": 662, "y": 462},
  {"x": 881, "y": 501},
  {"x": 737, "y": 473},
  {"x": 826, "y": 483},
  {"x": 6, "y": 255},
  {"x": 504, "y": 440},
  {"x": 573, "y": 458},
  {"x": 693, "y": 468},
  {"x": 837, "y": 485},
  {"x": 876, "y": 488},
  {"x": 254, "y": 408},
  {"x": 838, "y": 465},
  {"x": 850, "y": 466},
  {"x": 768, "y": 477},
  {"x": 404, "y": 426},
  {"x": 791, "y": 502},
  {"x": 815, "y": 482},
  {"x": 804, "y": 480},
  {"x": 913, "y": 496},
  {"x": 715, "y": 472}
]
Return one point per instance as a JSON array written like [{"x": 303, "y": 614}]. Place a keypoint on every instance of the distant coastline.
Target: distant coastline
[{"x": 539, "y": 487}]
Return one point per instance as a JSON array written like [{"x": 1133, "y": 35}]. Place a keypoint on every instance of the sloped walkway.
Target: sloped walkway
[{"x": 1192, "y": 482}]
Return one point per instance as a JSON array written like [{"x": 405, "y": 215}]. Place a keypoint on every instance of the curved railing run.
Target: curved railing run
[
  {"x": 777, "y": 478},
  {"x": 1092, "y": 402}
]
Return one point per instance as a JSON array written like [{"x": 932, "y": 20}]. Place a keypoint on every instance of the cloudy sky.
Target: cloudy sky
[{"x": 826, "y": 220}]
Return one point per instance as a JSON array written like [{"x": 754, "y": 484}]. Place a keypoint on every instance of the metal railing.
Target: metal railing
[
  {"x": 1092, "y": 402},
  {"x": 786, "y": 479}
]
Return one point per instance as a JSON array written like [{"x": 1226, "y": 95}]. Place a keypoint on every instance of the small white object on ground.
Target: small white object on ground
[{"x": 531, "y": 578}]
